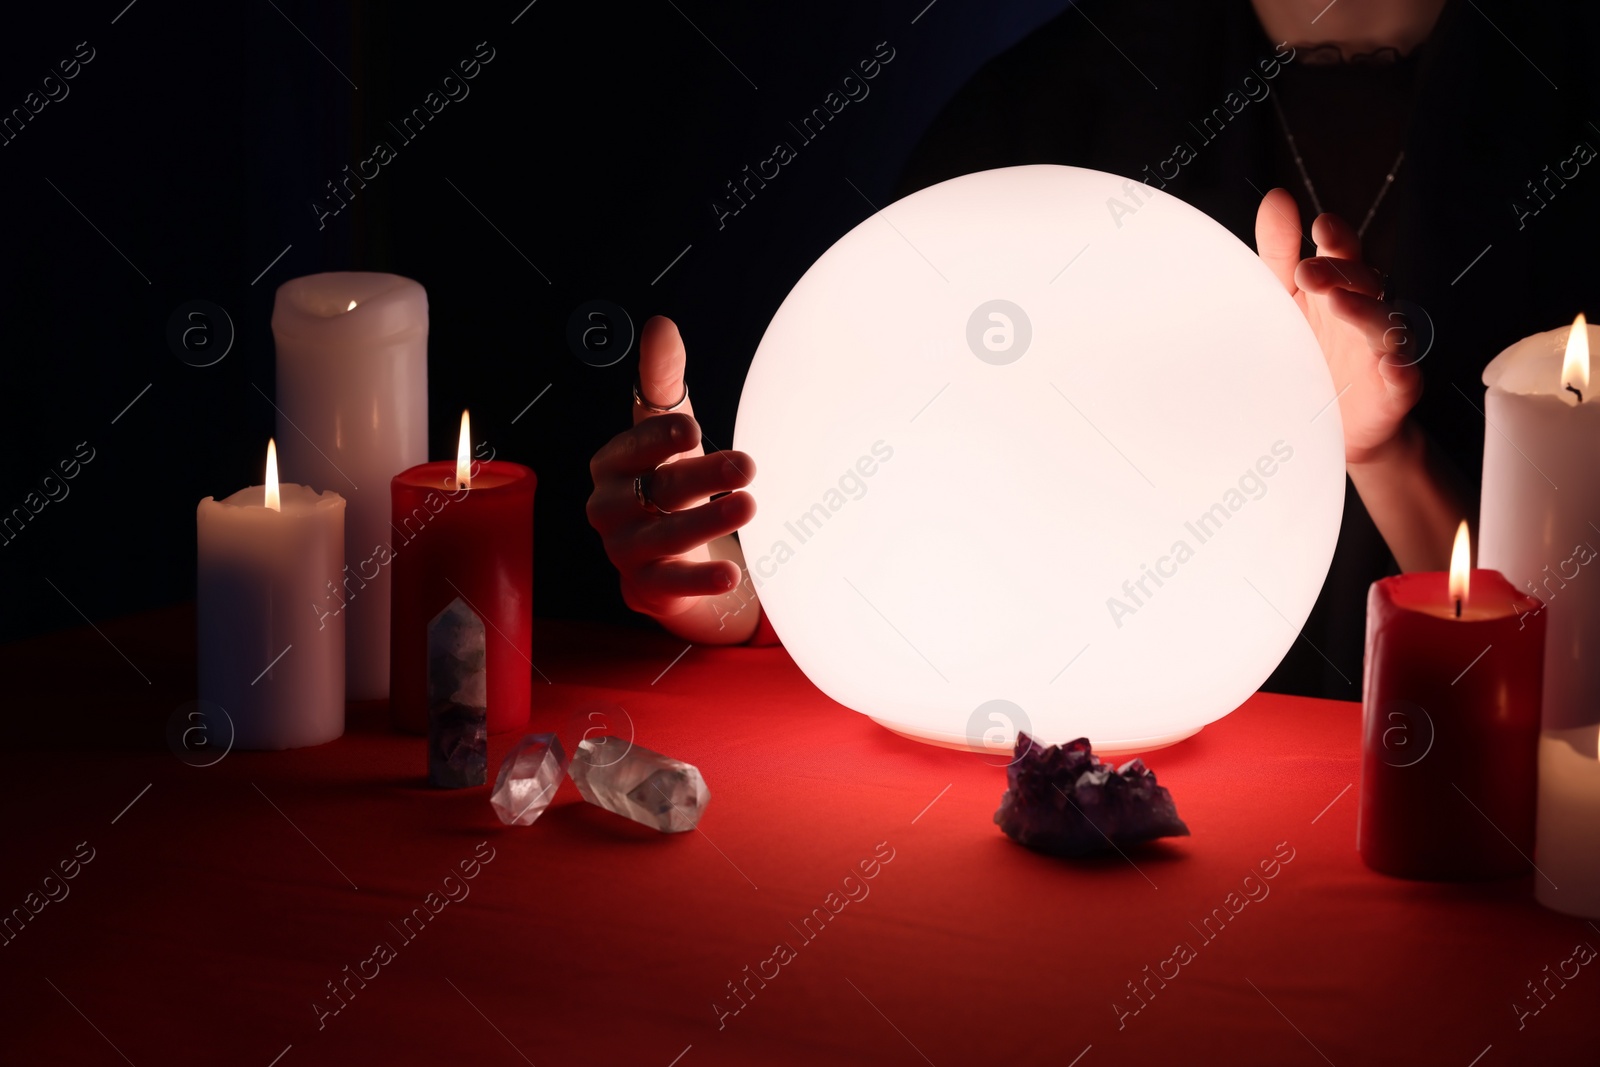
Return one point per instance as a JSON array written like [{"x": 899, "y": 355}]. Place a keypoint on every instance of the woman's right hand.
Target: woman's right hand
[{"x": 666, "y": 561}]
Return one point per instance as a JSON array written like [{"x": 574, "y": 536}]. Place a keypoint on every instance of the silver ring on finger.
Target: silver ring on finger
[
  {"x": 641, "y": 493},
  {"x": 638, "y": 398}
]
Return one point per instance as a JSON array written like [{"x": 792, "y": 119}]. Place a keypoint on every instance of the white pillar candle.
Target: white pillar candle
[
  {"x": 352, "y": 413},
  {"x": 1541, "y": 506},
  {"x": 271, "y": 665},
  {"x": 1568, "y": 850}
]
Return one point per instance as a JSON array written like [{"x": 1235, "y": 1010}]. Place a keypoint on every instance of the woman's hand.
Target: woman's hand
[
  {"x": 670, "y": 564},
  {"x": 1412, "y": 494},
  {"x": 1366, "y": 342}
]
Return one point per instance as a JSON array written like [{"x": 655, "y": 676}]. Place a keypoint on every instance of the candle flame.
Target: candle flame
[
  {"x": 1460, "y": 567},
  {"x": 273, "y": 501},
  {"x": 1575, "y": 368},
  {"x": 464, "y": 455},
  {"x": 352, "y": 306}
]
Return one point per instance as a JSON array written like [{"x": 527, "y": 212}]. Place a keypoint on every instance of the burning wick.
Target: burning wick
[
  {"x": 1460, "y": 567},
  {"x": 464, "y": 455},
  {"x": 1575, "y": 364}
]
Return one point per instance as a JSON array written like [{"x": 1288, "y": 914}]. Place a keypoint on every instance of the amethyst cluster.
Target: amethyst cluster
[{"x": 1065, "y": 800}]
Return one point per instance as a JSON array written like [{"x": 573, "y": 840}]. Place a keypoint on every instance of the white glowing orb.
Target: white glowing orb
[{"x": 1040, "y": 448}]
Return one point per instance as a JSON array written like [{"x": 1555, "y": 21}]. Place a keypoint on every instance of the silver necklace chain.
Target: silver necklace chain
[{"x": 1311, "y": 190}]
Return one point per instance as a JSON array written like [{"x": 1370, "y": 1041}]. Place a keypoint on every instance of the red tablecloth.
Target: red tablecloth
[{"x": 219, "y": 903}]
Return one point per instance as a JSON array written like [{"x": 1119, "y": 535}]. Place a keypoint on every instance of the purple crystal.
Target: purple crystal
[
  {"x": 1065, "y": 800},
  {"x": 458, "y": 725}
]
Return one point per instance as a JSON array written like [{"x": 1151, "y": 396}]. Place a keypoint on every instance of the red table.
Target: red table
[{"x": 221, "y": 901}]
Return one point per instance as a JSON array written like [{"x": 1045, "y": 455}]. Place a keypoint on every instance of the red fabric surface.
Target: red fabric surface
[{"x": 218, "y": 905}]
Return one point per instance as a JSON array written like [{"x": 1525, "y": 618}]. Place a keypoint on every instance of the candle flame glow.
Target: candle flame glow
[
  {"x": 464, "y": 455},
  {"x": 1575, "y": 368},
  {"x": 352, "y": 306},
  {"x": 1460, "y": 567},
  {"x": 271, "y": 496}
]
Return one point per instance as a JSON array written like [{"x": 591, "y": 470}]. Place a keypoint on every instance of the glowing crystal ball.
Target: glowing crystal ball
[{"x": 1040, "y": 448}]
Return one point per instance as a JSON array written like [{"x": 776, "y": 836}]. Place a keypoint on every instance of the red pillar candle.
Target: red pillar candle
[
  {"x": 462, "y": 529},
  {"x": 1450, "y": 724}
]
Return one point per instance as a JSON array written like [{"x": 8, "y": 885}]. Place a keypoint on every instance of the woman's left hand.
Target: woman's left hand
[{"x": 1366, "y": 342}]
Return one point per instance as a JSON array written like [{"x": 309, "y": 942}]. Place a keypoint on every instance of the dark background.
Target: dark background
[{"x": 188, "y": 152}]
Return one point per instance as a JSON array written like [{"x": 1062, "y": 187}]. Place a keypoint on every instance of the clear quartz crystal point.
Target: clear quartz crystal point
[
  {"x": 528, "y": 779},
  {"x": 647, "y": 787}
]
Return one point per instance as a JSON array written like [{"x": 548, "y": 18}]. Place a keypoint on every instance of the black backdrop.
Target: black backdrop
[{"x": 584, "y": 158}]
